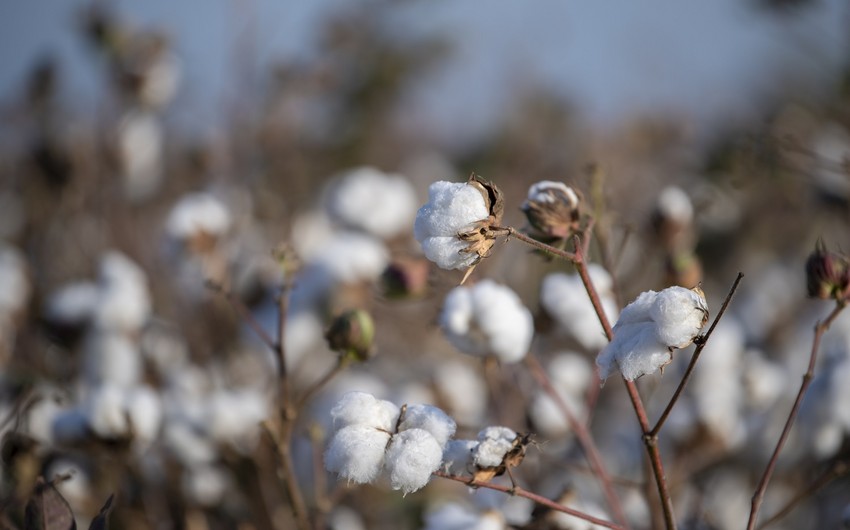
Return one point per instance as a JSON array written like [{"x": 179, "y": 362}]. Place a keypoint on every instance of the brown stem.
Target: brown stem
[
  {"x": 245, "y": 314},
  {"x": 838, "y": 469},
  {"x": 341, "y": 365},
  {"x": 282, "y": 373},
  {"x": 758, "y": 496},
  {"x": 543, "y": 501},
  {"x": 549, "y": 249},
  {"x": 584, "y": 438},
  {"x": 286, "y": 472},
  {"x": 702, "y": 342}
]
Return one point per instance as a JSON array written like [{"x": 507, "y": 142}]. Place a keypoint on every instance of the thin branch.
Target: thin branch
[
  {"x": 758, "y": 496},
  {"x": 701, "y": 346},
  {"x": 838, "y": 469},
  {"x": 549, "y": 249},
  {"x": 244, "y": 313},
  {"x": 543, "y": 501},
  {"x": 584, "y": 438},
  {"x": 282, "y": 373}
]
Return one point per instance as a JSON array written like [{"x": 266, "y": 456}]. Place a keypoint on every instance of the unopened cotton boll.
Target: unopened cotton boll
[
  {"x": 411, "y": 457},
  {"x": 649, "y": 329},
  {"x": 360, "y": 408},
  {"x": 124, "y": 300},
  {"x": 431, "y": 419},
  {"x": 565, "y": 298},
  {"x": 379, "y": 203},
  {"x": 198, "y": 214},
  {"x": 356, "y": 452},
  {"x": 452, "y": 209},
  {"x": 487, "y": 319}
]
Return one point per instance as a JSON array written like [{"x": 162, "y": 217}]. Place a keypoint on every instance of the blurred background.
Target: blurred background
[{"x": 150, "y": 148}]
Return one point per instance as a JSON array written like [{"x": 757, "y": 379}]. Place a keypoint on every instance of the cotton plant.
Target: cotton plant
[
  {"x": 197, "y": 220},
  {"x": 374, "y": 436},
  {"x": 650, "y": 328},
  {"x": 496, "y": 450},
  {"x": 487, "y": 319},
  {"x": 365, "y": 198},
  {"x": 564, "y": 297},
  {"x": 571, "y": 374}
]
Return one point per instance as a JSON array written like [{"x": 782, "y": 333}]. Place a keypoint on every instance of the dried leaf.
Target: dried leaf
[{"x": 48, "y": 510}]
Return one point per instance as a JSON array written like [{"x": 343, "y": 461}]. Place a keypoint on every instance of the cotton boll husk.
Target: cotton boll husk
[
  {"x": 111, "y": 358},
  {"x": 14, "y": 280},
  {"x": 430, "y": 419},
  {"x": 350, "y": 257},
  {"x": 72, "y": 304},
  {"x": 487, "y": 318},
  {"x": 411, "y": 457},
  {"x": 564, "y": 297},
  {"x": 124, "y": 302},
  {"x": 493, "y": 444},
  {"x": 198, "y": 213},
  {"x": 356, "y": 452},
  {"x": 205, "y": 484},
  {"x": 451, "y": 209},
  {"x": 360, "y": 408},
  {"x": 379, "y": 203},
  {"x": 463, "y": 389},
  {"x": 679, "y": 314},
  {"x": 457, "y": 456}
]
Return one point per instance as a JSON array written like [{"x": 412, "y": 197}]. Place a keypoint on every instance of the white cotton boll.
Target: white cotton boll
[
  {"x": 679, "y": 314},
  {"x": 541, "y": 192},
  {"x": 675, "y": 205},
  {"x": 431, "y": 419},
  {"x": 647, "y": 330},
  {"x": 205, "y": 484},
  {"x": 493, "y": 444},
  {"x": 565, "y": 298},
  {"x": 457, "y": 456},
  {"x": 356, "y": 453},
  {"x": 111, "y": 358},
  {"x": 379, "y": 203},
  {"x": 144, "y": 409},
  {"x": 140, "y": 152},
  {"x": 310, "y": 232},
  {"x": 350, "y": 257},
  {"x": 124, "y": 301},
  {"x": 464, "y": 390},
  {"x": 187, "y": 443},
  {"x": 349, "y": 381},
  {"x": 452, "y": 208},
  {"x": 41, "y": 415},
  {"x": 234, "y": 417},
  {"x": 360, "y": 408},
  {"x": 411, "y": 458},
  {"x": 570, "y": 372},
  {"x": 106, "y": 412},
  {"x": 75, "y": 485},
  {"x": 764, "y": 380},
  {"x": 72, "y": 304},
  {"x": 161, "y": 79},
  {"x": 198, "y": 213},
  {"x": 487, "y": 318},
  {"x": 727, "y": 498},
  {"x": 14, "y": 282}
]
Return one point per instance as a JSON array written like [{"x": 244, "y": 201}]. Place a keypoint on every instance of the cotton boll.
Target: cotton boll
[
  {"x": 124, "y": 301},
  {"x": 764, "y": 381},
  {"x": 431, "y": 419},
  {"x": 487, "y": 318},
  {"x": 464, "y": 390},
  {"x": 637, "y": 353},
  {"x": 356, "y": 452},
  {"x": 452, "y": 209},
  {"x": 197, "y": 214},
  {"x": 674, "y": 204},
  {"x": 360, "y": 408},
  {"x": 111, "y": 358},
  {"x": 73, "y": 304},
  {"x": 570, "y": 374},
  {"x": 411, "y": 458},
  {"x": 457, "y": 456},
  {"x": 187, "y": 443},
  {"x": 349, "y": 257},
  {"x": 349, "y": 381},
  {"x": 565, "y": 298},
  {"x": 140, "y": 152},
  {"x": 379, "y": 203},
  {"x": 106, "y": 413},
  {"x": 310, "y": 232},
  {"x": 493, "y": 444},
  {"x": 679, "y": 314},
  {"x": 165, "y": 349},
  {"x": 205, "y": 484},
  {"x": 234, "y": 417},
  {"x": 144, "y": 409},
  {"x": 75, "y": 486}
]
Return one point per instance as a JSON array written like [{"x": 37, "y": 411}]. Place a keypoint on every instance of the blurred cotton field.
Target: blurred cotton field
[{"x": 256, "y": 320}]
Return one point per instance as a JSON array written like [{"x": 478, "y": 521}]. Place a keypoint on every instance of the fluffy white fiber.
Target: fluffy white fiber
[
  {"x": 493, "y": 444},
  {"x": 431, "y": 419},
  {"x": 356, "y": 453},
  {"x": 412, "y": 456},
  {"x": 196, "y": 213},
  {"x": 360, "y": 408},
  {"x": 564, "y": 297}
]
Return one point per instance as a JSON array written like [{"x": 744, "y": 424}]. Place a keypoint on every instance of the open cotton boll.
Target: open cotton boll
[
  {"x": 430, "y": 419},
  {"x": 205, "y": 484},
  {"x": 674, "y": 204},
  {"x": 74, "y": 484},
  {"x": 360, "y": 408},
  {"x": 457, "y": 456},
  {"x": 487, "y": 319},
  {"x": 366, "y": 198},
  {"x": 234, "y": 416},
  {"x": 452, "y": 209},
  {"x": 198, "y": 213},
  {"x": 106, "y": 412},
  {"x": 464, "y": 390},
  {"x": 187, "y": 443},
  {"x": 493, "y": 444},
  {"x": 649, "y": 328},
  {"x": 111, "y": 358},
  {"x": 565, "y": 298},
  {"x": 411, "y": 458},
  {"x": 356, "y": 452},
  {"x": 144, "y": 408},
  {"x": 72, "y": 304},
  {"x": 124, "y": 300},
  {"x": 350, "y": 257}
]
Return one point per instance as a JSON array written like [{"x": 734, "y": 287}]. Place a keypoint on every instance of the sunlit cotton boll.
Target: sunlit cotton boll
[
  {"x": 360, "y": 408},
  {"x": 493, "y": 444},
  {"x": 350, "y": 257},
  {"x": 140, "y": 153},
  {"x": 356, "y": 453},
  {"x": 649, "y": 328},
  {"x": 379, "y": 203},
  {"x": 111, "y": 358},
  {"x": 487, "y": 319},
  {"x": 464, "y": 390},
  {"x": 234, "y": 416},
  {"x": 411, "y": 457},
  {"x": 197, "y": 214},
  {"x": 124, "y": 300},
  {"x": 452, "y": 208},
  {"x": 565, "y": 298},
  {"x": 72, "y": 304},
  {"x": 431, "y": 419}
]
